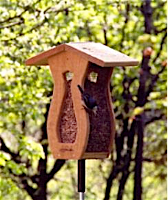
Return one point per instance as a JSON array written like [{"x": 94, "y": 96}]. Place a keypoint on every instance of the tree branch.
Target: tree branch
[
  {"x": 36, "y": 26},
  {"x": 125, "y": 23},
  {"x": 26, "y": 8},
  {"x": 15, "y": 156},
  {"x": 114, "y": 172},
  {"x": 153, "y": 82},
  {"x": 28, "y": 188},
  {"x": 122, "y": 164},
  {"x": 12, "y": 24},
  {"x": 16, "y": 16},
  {"x": 161, "y": 161},
  {"x": 160, "y": 31},
  {"x": 145, "y": 73},
  {"x": 123, "y": 180},
  {"x": 57, "y": 166},
  {"x": 154, "y": 118},
  {"x": 147, "y": 11},
  {"x": 161, "y": 47}
]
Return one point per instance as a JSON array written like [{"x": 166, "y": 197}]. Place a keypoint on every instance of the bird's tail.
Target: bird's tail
[{"x": 80, "y": 89}]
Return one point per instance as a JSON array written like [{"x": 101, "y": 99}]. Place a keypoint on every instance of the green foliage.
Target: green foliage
[
  {"x": 10, "y": 190},
  {"x": 28, "y": 27},
  {"x": 30, "y": 149}
]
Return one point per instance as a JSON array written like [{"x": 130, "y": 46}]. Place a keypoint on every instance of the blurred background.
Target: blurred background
[{"x": 136, "y": 169}]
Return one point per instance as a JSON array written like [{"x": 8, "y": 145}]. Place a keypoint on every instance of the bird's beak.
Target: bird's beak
[{"x": 95, "y": 110}]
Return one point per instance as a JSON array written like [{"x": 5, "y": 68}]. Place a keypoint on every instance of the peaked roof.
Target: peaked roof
[{"x": 94, "y": 52}]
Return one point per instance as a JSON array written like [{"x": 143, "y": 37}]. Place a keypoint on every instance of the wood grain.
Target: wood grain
[
  {"x": 102, "y": 125},
  {"x": 94, "y": 52},
  {"x": 59, "y": 65}
]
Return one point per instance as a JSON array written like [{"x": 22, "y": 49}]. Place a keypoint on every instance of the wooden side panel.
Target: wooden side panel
[
  {"x": 102, "y": 124},
  {"x": 63, "y": 62}
]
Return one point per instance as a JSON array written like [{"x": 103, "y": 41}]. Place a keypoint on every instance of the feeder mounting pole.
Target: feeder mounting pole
[{"x": 81, "y": 178}]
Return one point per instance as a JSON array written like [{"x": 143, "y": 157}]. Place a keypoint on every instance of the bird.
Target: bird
[{"x": 89, "y": 102}]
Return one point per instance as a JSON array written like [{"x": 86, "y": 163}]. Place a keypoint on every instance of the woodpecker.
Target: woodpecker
[{"x": 89, "y": 102}]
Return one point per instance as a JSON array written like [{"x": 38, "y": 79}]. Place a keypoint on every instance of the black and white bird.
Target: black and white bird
[{"x": 89, "y": 102}]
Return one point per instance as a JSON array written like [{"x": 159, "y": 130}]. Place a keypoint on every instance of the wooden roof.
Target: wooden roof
[{"x": 94, "y": 52}]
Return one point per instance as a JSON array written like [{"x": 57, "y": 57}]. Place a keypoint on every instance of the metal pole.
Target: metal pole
[
  {"x": 81, "y": 196},
  {"x": 81, "y": 179}
]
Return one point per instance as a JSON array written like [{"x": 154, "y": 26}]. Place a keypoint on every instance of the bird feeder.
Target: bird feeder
[{"x": 73, "y": 132}]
